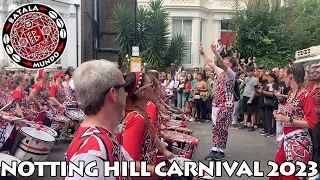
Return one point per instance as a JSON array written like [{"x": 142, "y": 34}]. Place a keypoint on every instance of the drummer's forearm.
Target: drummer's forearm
[
  {"x": 18, "y": 110},
  {"x": 159, "y": 145},
  {"x": 53, "y": 99},
  {"x": 35, "y": 100}
]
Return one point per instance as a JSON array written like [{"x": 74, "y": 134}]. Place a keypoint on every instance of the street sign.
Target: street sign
[
  {"x": 135, "y": 51},
  {"x": 135, "y": 64}
]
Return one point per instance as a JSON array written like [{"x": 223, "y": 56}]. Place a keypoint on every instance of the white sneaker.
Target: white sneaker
[{"x": 191, "y": 119}]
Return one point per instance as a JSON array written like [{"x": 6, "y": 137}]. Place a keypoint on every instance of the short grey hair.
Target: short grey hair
[{"x": 91, "y": 80}]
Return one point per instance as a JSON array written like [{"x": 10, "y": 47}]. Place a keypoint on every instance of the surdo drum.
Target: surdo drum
[
  {"x": 35, "y": 146},
  {"x": 181, "y": 144}
]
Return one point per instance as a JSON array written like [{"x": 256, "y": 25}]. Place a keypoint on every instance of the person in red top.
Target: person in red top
[
  {"x": 100, "y": 89},
  {"x": 21, "y": 97},
  {"x": 294, "y": 118},
  {"x": 57, "y": 98},
  {"x": 313, "y": 87},
  {"x": 39, "y": 95},
  {"x": 138, "y": 137},
  {"x": 153, "y": 113}
]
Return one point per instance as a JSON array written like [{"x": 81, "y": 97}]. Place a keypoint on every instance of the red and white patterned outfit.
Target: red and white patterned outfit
[
  {"x": 138, "y": 139},
  {"x": 295, "y": 142},
  {"x": 96, "y": 144},
  {"x": 6, "y": 98},
  {"x": 222, "y": 107},
  {"x": 57, "y": 112},
  {"x": 42, "y": 97}
]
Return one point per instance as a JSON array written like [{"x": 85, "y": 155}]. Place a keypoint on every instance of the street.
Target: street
[{"x": 242, "y": 145}]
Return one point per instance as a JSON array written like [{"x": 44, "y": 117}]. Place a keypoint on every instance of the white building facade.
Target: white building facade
[
  {"x": 201, "y": 21},
  {"x": 70, "y": 10}
]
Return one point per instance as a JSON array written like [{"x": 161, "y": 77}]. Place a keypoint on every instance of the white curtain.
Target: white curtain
[{"x": 184, "y": 27}]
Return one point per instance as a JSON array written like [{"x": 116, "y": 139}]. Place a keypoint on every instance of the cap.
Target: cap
[{"x": 59, "y": 74}]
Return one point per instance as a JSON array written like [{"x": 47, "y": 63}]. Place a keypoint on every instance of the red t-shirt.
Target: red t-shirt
[
  {"x": 17, "y": 95},
  {"x": 53, "y": 91},
  {"x": 152, "y": 113},
  {"x": 134, "y": 132}
]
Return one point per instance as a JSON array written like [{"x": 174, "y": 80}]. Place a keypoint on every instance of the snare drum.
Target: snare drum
[
  {"x": 60, "y": 125},
  {"x": 183, "y": 143},
  {"x": 36, "y": 146},
  {"x": 174, "y": 123},
  {"x": 181, "y": 130}
]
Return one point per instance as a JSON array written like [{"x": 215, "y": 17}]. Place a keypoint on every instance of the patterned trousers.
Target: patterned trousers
[{"x": 221, "y": 118}]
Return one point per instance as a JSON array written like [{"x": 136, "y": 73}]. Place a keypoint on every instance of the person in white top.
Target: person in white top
[
  {"x": 169, "y": 85},
  {"x": 219, "y": 46},
  {"x": 222, "y": 101}
]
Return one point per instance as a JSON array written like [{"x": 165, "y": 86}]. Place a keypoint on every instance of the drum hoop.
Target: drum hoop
[{"x": 35, "y": 137}]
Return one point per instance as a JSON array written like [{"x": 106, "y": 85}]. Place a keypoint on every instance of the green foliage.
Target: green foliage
[
  {"x": 274, "y": 35},
  {"x": 157, "y": 49}
]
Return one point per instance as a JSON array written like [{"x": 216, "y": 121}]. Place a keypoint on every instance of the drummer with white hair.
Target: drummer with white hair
[{"x": 100, "y": 89}]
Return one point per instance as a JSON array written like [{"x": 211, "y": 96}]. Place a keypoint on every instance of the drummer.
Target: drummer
[
  {"x": 137, "y": 135},
  {"x": 71, "y": 104},
  {"x": 57, "y": 93},
  {"x": 104, "y": 106},
  {"x": 39, "y": 95},
  {"x": 6, "y": 98},
  {"x": 21, "y": 97}
]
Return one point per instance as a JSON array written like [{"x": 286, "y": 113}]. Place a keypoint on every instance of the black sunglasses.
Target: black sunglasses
[{"x": 125, "y": 86}]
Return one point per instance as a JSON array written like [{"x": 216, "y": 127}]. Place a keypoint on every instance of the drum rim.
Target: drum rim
[{"x": 35, "y": 137}]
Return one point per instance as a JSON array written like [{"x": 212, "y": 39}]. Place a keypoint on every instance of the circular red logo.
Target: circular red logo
[{"x": 34, "y": 36}]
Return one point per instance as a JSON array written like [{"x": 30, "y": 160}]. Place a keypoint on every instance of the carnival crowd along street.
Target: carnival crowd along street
[{"x": 135, "y": 124}]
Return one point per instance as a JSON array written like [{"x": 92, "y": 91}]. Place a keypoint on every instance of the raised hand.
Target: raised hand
[
  {"x": 200, "y": 48},
  {"x": 213, "y": 48}
]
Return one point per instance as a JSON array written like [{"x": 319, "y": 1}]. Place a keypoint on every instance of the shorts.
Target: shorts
[{"x": 249, "y": 108}]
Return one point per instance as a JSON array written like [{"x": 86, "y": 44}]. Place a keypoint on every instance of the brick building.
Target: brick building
[{"x": 98, "y": 36}]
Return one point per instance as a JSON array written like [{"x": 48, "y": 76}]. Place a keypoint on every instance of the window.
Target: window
[
  {"x": 184, "y": 27},
  {"x": 225, "y": 24}
]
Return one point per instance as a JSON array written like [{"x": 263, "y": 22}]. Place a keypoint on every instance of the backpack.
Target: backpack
[{"x": 236, "y": 90}]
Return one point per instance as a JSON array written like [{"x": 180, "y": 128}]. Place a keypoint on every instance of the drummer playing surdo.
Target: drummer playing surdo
[
  {"x": 152, "y": 111},
  {"x": 100, "y": 89},
  {"x": 222, "y": 102},
  {"x": 137, "y": 135},
  {"x": 39, "y": 95}
]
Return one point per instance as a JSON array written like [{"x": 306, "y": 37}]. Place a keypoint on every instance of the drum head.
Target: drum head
[
  {"x": 180, "y": 161},
  {"x": 173, "y": 135},
  {"x": 41, "y": 135},
  {"x": 8, "y": 159}
]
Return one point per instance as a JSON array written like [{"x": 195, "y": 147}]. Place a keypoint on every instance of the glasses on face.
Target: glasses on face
[
  {"x": 125, "y": 86},
  {"x": 144, "y": 87}
]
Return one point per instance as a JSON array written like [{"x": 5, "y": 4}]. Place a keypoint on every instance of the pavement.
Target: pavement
[{"x": 242, "y": 146}]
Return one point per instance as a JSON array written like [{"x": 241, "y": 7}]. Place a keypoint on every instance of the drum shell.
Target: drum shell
[{"x": 33, "y": 149}]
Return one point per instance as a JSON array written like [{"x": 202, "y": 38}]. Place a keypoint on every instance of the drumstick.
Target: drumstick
[
  {"x": 162, "y": 156},
  {"x": 7, "y": 105}
]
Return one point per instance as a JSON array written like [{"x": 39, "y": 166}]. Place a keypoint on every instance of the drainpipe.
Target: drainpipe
[{"x": 77, "y": 31}]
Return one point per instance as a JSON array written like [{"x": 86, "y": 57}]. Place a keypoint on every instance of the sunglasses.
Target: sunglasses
[{"x": 125, "y": 86}]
